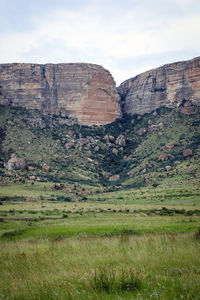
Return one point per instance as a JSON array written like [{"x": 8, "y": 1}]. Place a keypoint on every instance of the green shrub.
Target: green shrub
[{"x": 112, "y": 281}]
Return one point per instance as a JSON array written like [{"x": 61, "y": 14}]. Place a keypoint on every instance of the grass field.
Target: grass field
[
  {"x": 92, "y": 250},
  {"x": 125, "y": 244},
  {"x": 172, "y": 193},
  {"x": 126, "y": 267}
]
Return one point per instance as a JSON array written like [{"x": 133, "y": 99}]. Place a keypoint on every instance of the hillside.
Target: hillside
[{"x": 152, "y": 150}]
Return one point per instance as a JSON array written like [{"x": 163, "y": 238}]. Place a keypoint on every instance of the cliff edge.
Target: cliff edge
[
  {"x": 84, "y": 92},
  {"x": 175, "y": 85}
]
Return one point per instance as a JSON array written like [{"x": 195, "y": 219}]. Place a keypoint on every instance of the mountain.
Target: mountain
[
  {"x": 83, "y": 92},
  {"x": 175, "y": 85},
  {"x": 86, "y": 93},
  {"x": 148, "y": 143}
]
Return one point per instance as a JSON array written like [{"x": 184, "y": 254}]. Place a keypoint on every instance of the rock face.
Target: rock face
[
  {"x": 172, "y": 85},
  {"x": 85, "y": 92}
]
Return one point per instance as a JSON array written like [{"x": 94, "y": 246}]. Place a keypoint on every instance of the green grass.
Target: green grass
[
  {"x": 30, "y": 191},
  {"x": 101, "y": 225},
  {"x": 145, "y": 267},
  {"x": 173, "y": 194}
]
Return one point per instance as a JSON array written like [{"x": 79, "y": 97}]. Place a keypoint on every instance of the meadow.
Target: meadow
[
  {"x": 98, "y": 250},
  {"x": 163, "y": 266}
]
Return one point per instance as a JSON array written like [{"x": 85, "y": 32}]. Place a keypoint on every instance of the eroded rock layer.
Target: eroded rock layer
[
  {"x": 85, "y": 92},
  {"x": 172, "y": 85}
]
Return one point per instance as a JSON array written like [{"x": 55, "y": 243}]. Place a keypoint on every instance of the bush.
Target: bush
[
  {"x": 111, "y": 281},
  {"x": 64, "y": 199}
]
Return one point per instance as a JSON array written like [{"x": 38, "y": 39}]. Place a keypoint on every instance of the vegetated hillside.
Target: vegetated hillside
[{"x": 134, "y": 151}]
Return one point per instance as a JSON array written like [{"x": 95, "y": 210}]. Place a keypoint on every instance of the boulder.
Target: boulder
[
  {"x": 96, "y": 148},
  {"x": 170, "y": 145},
  {"x": 120, "y": 140},
  {"x": 187, "y": 152},
  {"x": 111, "y": 138},
  {"x": 164, "y": 157},
  {"x": 15, "y": 163},
  {"x": 69, "y": 145},
  {"x": 168, "y": 168},
  {"x": 115, "y": 151},
  {"x": 106, "y": 139},
  {"x": 114, "y": 177},
  {"x": 46, "y": 168},
  {"x": 177, "y": 162},
  {"x": 155, "y": 127},
  {"x": 30, "y": 168},
  {"x": 142, "y": 131}
]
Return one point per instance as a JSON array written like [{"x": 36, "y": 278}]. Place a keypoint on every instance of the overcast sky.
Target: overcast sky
[{"x": 127, "y": 37}]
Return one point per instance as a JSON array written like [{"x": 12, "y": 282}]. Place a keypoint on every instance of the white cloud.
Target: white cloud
[{"x": 89, "y": 36}]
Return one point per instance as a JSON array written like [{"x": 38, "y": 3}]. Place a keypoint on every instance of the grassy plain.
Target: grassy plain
[
  {"x": 125, "y": 267},
  {"x": 98, "y": 250}
]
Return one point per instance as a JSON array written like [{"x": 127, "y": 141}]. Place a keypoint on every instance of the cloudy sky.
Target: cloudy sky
[{"x": 125, "y": 36}]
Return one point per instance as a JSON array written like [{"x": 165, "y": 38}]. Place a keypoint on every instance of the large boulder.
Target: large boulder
[
  {"x": 187, "y": 152},
  {"x": 15, "y": 163},
  {"x": 164, "y": 157},
  {"x": 114, "y": 177},
  {"x": 120, "y": 140}
]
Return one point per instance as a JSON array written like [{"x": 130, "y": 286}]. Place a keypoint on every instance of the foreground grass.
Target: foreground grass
[{"x": 145, "y": 267}]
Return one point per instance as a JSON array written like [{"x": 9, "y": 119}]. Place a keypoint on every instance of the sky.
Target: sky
[{"x": 126, "y": 37}]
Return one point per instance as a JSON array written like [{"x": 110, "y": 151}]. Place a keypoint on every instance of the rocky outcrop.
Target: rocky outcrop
[
  {"x": 84, "y": 92},
  {"x": 172, "y": 85}
]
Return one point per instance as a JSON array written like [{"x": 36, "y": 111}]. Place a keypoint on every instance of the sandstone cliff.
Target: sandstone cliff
[
  {"x": 172, "y": 85},
  {"x": 85, "y": 92}
]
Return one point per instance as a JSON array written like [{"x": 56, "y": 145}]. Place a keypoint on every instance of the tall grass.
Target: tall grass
[{"x": 125, "y": 267}]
